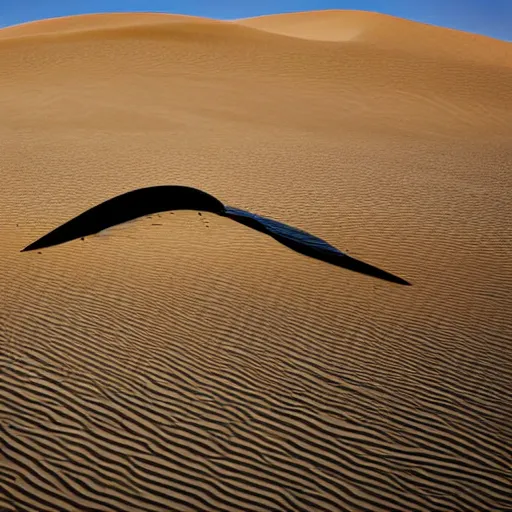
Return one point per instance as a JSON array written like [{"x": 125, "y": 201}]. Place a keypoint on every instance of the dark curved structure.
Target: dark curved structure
[
  {"x": 126, "y": 207},
  {"x": 146, "y": 201}
]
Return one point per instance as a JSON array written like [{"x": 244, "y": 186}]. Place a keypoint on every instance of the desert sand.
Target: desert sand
[{"x": 184, "y": 362}]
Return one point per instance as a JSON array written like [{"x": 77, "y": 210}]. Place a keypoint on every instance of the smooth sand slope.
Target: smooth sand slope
[
  {"x": 386, "y": 32},
  {"x": 185, "y": 362}
]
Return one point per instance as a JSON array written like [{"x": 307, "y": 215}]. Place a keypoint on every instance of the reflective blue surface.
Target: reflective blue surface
[{"x": 285, "y": 231}]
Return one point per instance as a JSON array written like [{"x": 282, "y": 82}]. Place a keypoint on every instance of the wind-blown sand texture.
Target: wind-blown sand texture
[{"x": 185, "y": 362}]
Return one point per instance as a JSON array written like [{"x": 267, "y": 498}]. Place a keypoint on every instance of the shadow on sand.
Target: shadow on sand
[{"x": 146, "y": 201}]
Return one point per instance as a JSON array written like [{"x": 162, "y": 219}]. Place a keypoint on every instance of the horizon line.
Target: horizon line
[{"x": 274, "y": 14}]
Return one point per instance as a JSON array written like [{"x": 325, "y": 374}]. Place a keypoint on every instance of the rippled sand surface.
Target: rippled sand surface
[{"x": 185, "y": 362}]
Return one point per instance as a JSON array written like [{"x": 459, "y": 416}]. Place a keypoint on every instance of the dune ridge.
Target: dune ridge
[
  {"x": 161, "y": 365},
  {"x": 331, "y": 25},
  {"x": 387, "y": 32},
  {"x": 88, "y": 22}
]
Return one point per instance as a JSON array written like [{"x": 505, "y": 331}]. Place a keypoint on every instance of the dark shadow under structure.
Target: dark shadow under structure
[{"x": 145, "y": 201}]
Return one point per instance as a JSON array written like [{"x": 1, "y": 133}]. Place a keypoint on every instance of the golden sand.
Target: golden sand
[{"x": 184, "y": 362}]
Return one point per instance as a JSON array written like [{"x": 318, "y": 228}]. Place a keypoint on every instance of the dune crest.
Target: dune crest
[
  {"x": 382, "y": 30},
  {"x": 386, "y": 32},
  {"x": 378, "y": 29},
  {"x": 100, "y": 21},
  {"x": 328, "y": 25}
]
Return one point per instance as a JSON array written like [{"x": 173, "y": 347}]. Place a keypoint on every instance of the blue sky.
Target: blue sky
[{"x": 489, "y": 17}]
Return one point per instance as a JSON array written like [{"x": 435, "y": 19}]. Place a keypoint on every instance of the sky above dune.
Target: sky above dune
[{"x": 489, "y": 17}]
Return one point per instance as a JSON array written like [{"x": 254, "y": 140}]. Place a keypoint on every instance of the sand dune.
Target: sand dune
[
  {"x": 186, "y": 362},
  {"x": 92, "y": 22},
  {"x": 386, "y": 32}
]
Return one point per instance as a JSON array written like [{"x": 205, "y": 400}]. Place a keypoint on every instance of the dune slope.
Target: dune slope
[
  {"x": 386, "y": 32},
  {"x": 186, "y": 362}
]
